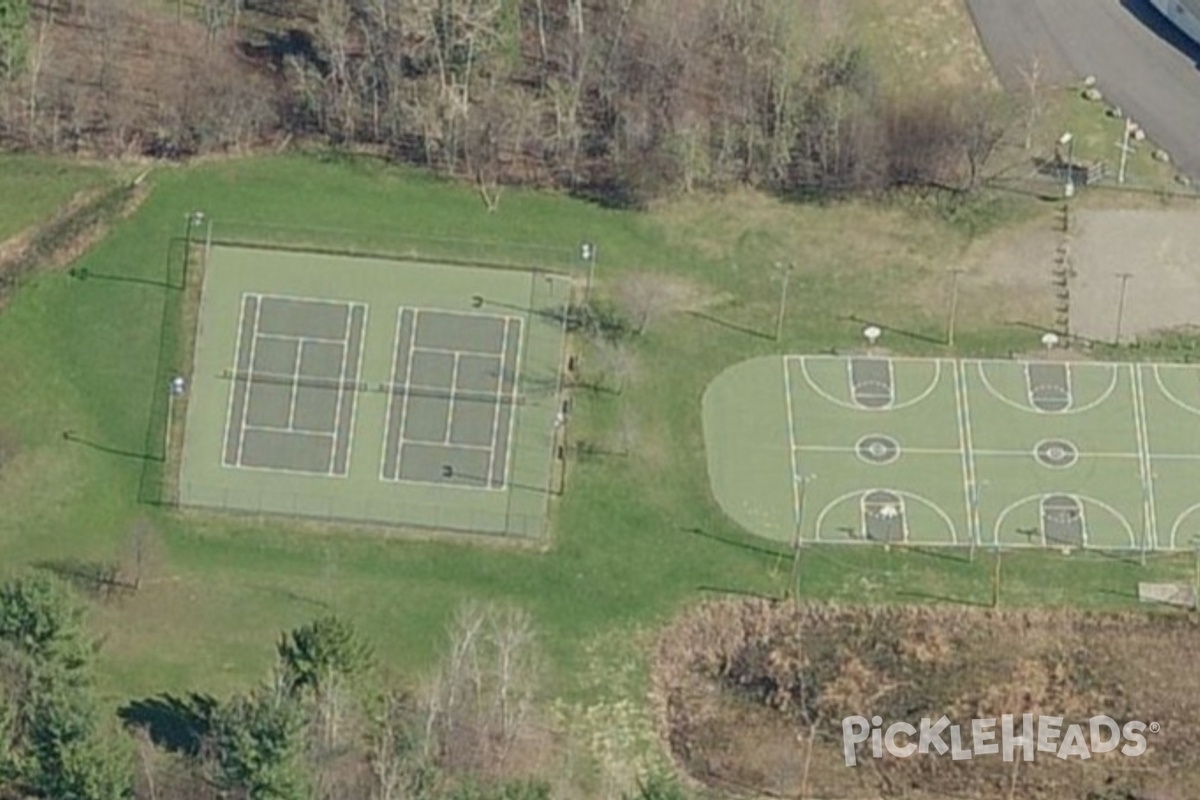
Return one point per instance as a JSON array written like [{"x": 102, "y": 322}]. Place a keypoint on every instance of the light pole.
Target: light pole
[
  {"x": 587, "y": 251},
  {"x": 1068, "y": 139},
  {"x": 802, "y": 482},
  {"x": 176, "y": 388},
  {"x": 1124, "y": 278}
]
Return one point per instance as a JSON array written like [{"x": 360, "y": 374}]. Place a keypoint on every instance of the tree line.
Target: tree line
[
  {"x": 626, "y": 100},
  {"x": 327, "y": 722}
]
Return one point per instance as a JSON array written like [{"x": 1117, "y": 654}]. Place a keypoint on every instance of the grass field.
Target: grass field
[
  {"x": 32, "y": 188},
  {"x": 637, "y": 532}
]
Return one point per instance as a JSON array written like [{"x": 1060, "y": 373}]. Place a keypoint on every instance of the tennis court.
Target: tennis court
[
  {"x": 868, "y": 450},
  {"x": 375, "y": 391}
]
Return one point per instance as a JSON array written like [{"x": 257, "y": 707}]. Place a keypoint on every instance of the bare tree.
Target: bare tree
[
  {"x": 1035, "y": 97},
  {"x": 482, "y": 698}
]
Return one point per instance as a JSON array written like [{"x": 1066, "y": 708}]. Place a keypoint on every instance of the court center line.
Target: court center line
[
  {"x": 249, "y": 378},
  {"x": 291, "y": 337},
  {"x": 450, "y": 399},
  {"x": 947, "y": 451},
  {"x": 791, "y": 429},
  {"x": 362, "y": 347},
  {"x": 491, "y": 468},
  {"x": 294, "y": 431},
  {"x": 391, "y": 398},
  {"x": 1148, "y": 455},
  {"x": 237, "y": 354},
  {"x": 295, "y": 382},
  {"x": 420, "y": 348},
  {"x": 1142, "y": 466},
  {"x": 968, "y": 477},
  {"x": 341, "y": 391},
  {"x": 969, "y": 428}
]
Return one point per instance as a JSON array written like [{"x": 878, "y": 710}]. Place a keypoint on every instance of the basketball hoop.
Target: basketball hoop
[
  {"x": 872, "y": 333},
  {"x": 1050, "y": 340}
]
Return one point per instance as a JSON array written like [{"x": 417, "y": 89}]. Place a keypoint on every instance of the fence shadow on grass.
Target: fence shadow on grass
[
  {"x": 749, "y": 547},
  {"x": 920, "y": 337},
  {"x": 733, "y": 326},
  {"x": 177, "y": 724},
  {"x": 74, "y": 438}
]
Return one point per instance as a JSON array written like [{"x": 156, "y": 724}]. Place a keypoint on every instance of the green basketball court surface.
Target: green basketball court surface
[
  {"x": 945, "y": 452},
  {"x": 374, "y": 391}
]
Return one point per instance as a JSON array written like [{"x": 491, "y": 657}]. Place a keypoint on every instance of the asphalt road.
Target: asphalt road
[{"x": 1141, "y": 62}]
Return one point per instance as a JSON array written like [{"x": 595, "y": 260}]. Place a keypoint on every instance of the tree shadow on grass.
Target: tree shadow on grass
[
  {"x": 941, "y": 598},
  {"x": 177, "y": 724},
  {"x": 98, "y": 579}
]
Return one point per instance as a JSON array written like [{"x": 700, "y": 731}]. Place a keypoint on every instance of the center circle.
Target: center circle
[
  {"x": 877, "y": 449},
  {"x": 1056, "y": 453}
]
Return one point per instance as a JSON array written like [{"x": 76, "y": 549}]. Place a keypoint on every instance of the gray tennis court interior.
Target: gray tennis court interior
[
  {"x": 292, "y": 405},
  {"x": 454, "y": 385}
]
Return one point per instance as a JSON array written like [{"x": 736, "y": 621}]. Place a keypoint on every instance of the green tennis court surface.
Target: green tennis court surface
[
  {"x": 374, "y": 391},
  {"x": 1008, "y": 453}
]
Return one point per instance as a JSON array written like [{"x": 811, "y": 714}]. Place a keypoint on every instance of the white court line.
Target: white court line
[
  {"x": 945, "y": 451},
  {"x": 968, "y": 474},
  {"x": 293, "y": 431},
  {"x": 362, "y": 346},
  {"x": 512, "y": 414},
  {"x": 969, "y": 428},
  {"x": 291, "y": 337},
  {"x": 1003, "y": 398},
  {"x": 1070, "y": 388},
  {"x": 791, "y": 429},
  {"x": 891, "y": 383},
  {"x": 1167, "y": 392},
  {"x": 450, "y": 400},
  {"x": 491, "y": 468},
  {"x": 249, "y": 380},
  {"x": 420, "y": 348},
  {"x": 1142, "y": 468},
  {"x": 1139, "y": 401},
  {"x": 391, "y": 396},
  {"x": 237, "y": 354},
  {"x": 341, "y": 393},
  {"x": 323, "y": 301},
  {"x": 295, "y": 382}
]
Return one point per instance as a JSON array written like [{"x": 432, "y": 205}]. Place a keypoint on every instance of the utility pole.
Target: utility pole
[
  {"x": 783, "y": 294},
  {"x": 1124, "y": 277},
  {"x": 955, "y": 274}
]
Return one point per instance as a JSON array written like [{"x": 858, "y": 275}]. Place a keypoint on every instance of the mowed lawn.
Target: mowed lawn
[
  {"x": 32, "y": 188},
  {"x": 637, "y": 533}
]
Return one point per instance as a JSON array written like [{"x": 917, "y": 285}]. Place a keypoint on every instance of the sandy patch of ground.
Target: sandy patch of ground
[
  {"x": 1009, "y": 276},
  {"x": 1160, "y": 252}
]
